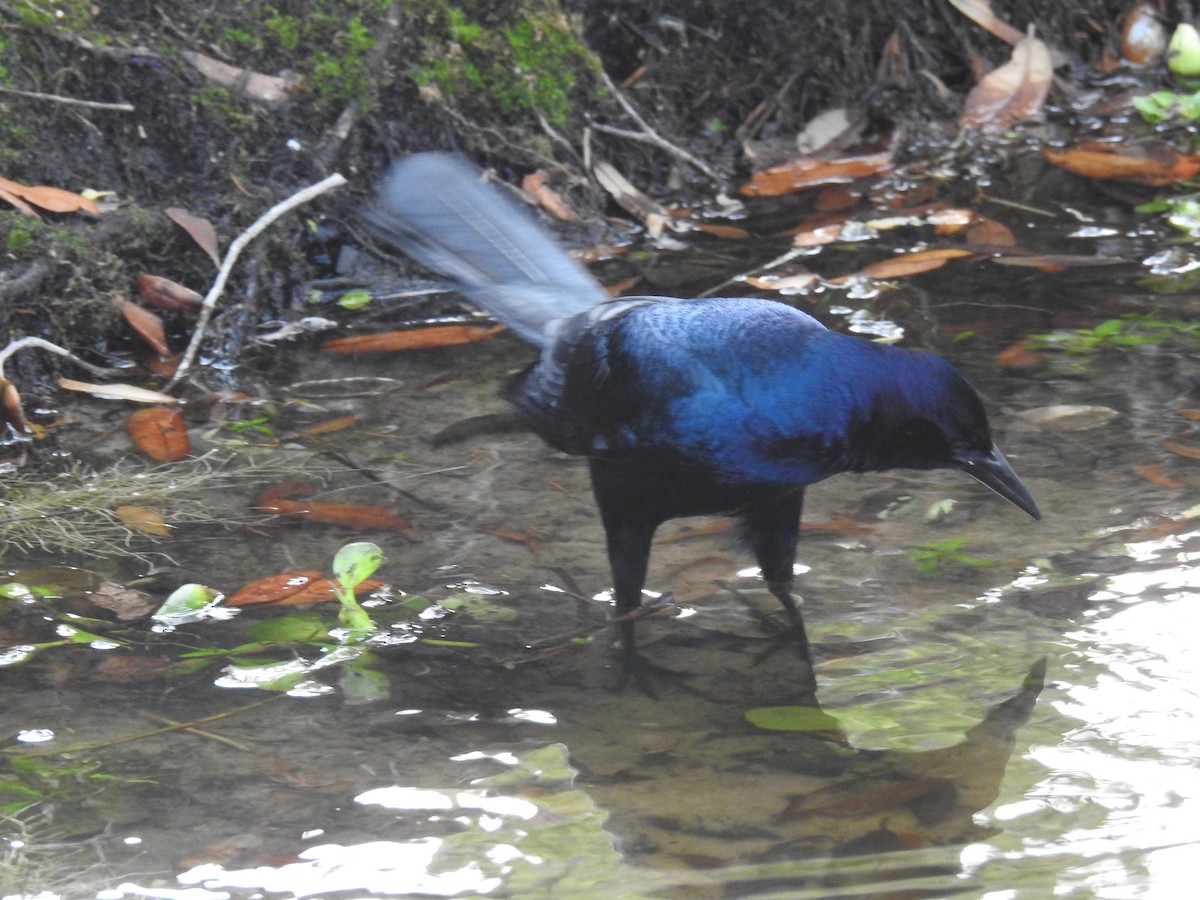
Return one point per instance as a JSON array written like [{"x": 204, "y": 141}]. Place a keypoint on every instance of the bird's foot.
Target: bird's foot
[{"x": 788, "y": 640}]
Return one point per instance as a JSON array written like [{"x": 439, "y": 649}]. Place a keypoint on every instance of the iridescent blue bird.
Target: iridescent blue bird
[{"x": 723, "y": 406}]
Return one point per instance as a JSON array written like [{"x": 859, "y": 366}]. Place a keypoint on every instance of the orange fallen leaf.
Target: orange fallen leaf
[
  {"x": 835, "y": 199},
  {"x": 167, "y": 294},
  {"x": 546, "y": 197},
  {"x": 324, "y": 590},
  {"x": 146, "y": 324},
  {"x": 328, "y": 426},
  {"x": 800, "y": 174},
  {"x": 1153, "y": 473},
  {"x": 1019, "y": 356},
  {"x": 1157, "y": 165},
  {"x": 51, "y": 199},
  {"x": 413, "y": 339},
  {"x": 147, "y": 521},
  {"x": 359, "y": 516},
  {"x": 284, "y": 489},
  {"x": 1189, "y": 451},
  {"x": 15, "y": 201},
  {"x": 726, "y": 232},
  {"x": 989, "y": 232},
  {"x": 160, "y": 433},
  {"x": 912, "y": 263},
  {"x": 1192, "y": 415},
  {"x": 1056, "y": 262},
  {"x": 273, "y": 588},
  {"x": 14, "y": 413}
]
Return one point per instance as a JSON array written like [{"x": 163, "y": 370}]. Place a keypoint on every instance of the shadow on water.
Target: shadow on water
[{"x": 502, "y": 763}]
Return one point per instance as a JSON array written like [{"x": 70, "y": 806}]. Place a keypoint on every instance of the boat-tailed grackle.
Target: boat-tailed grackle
[{"x": 728, "y": 406}]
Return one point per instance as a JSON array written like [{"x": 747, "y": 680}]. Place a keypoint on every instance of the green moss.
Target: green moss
[
  {"x": 513, "y": 60},
  {"x": 327, "y": 46},
  {"x": 20, "y": 234}
]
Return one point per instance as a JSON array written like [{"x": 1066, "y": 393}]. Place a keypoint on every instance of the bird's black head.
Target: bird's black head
[{"x": 929, "y": 417}]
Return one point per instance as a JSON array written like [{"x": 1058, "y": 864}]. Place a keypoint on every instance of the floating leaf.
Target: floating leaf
[
  {"x": 187, "y": 603},
  {"x": 160, "y": 433},
  {"x": 800, "y": 174},
  {"x": 413, "y": 339},
  {"x": 273, "y": 588},
  {"x": 908, "y": 264},
  {"x": 1148, "y": 164}
]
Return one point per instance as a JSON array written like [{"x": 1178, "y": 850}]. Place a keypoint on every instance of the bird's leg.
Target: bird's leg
[
  {"x": 773, "y": 529},
  {"x": 628, "y": 557}
]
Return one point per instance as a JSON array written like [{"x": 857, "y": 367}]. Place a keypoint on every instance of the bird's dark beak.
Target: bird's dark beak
[{"x": 992, "y": 470}]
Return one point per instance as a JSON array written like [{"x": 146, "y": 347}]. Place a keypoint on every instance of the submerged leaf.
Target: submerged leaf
[{"x": 160, "y": 433}]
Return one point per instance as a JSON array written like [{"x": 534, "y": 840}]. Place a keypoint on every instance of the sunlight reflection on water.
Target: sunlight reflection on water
[{"x": 1118, "y": 809}]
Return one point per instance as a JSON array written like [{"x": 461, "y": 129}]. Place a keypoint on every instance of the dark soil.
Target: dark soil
[{"x": 518, "y": 86}]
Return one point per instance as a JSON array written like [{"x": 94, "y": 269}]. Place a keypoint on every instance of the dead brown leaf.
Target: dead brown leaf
[
  {"x": 546, "y": 197},
  {"x": 147, "y": 521},
  {"x": 51, "y": 199},
  {"x": 167, "y": 294},
  {"x": 201, "y": 231},
  {"x": 1148, "y": 164},
  {"x": 160, "y": 433},
  {"x": 800, "y": 174},
  {"x": 413, "y": 339},
  {"x": 146, "y": 324},
  {"x": 1015, "y": 92}
]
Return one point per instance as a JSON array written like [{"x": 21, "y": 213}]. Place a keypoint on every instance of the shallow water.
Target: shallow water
[{"x": 510, "y": 767}]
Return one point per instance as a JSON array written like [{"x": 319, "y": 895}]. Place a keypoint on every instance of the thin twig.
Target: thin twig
[
  {"x": 22, "y": 343},
  {"x": 129, "y": 738},
  {"x": 57, "y": 98},
  {"x": 231, "y": 257},
  {"x": 648, "y": 134},
  {"x": 220, "y": 739}
]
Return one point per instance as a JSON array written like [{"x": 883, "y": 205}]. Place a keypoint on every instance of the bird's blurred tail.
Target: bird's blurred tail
[{"x": 435, "y": 208}]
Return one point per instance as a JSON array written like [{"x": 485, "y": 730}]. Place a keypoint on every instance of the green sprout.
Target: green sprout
[
  {"x": 931, "y": 556},
  {"x": 352, "y": 565}
]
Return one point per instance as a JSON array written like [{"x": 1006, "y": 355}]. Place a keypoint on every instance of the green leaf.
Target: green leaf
[
  {"x": 185, "y": 601},
  {"x": 299, "y": 628},
  {"x": 355, "y": 563},
  {"x": 354, "y": 300},
  {"x": 792, "y": 718}
]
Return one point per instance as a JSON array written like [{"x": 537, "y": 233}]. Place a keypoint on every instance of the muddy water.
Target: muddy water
[{"x": 502, "y": 762}]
